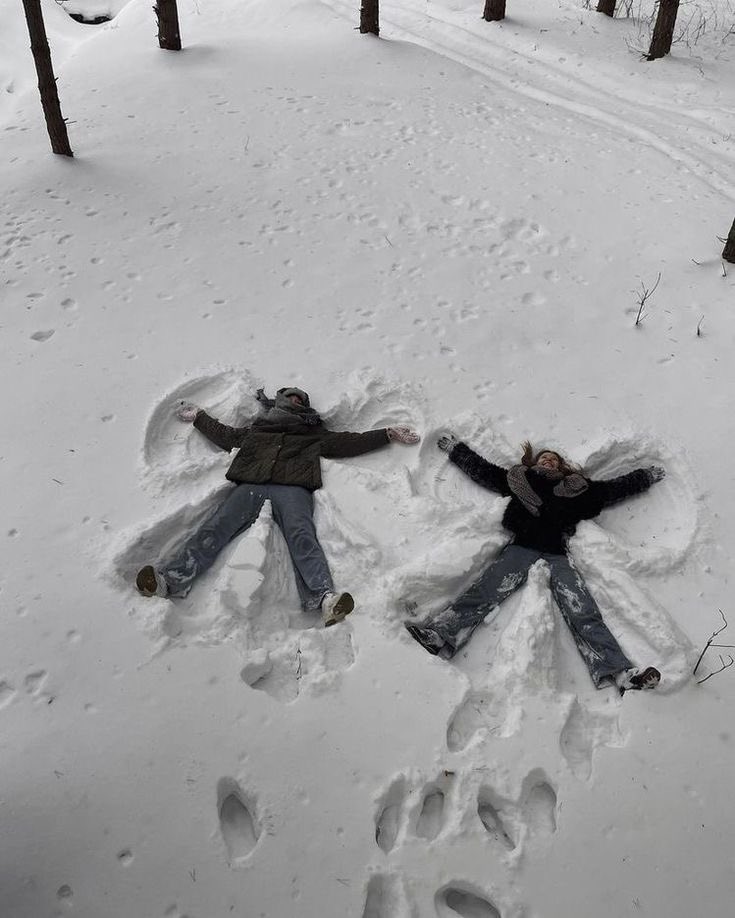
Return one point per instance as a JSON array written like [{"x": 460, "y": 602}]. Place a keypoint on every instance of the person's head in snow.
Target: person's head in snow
[
  {"x": 548, "y": 497},
  {"x": 278, "y": 459},
  {"x": 546, "y": 459},
  {"x": 292, "y": 398}
]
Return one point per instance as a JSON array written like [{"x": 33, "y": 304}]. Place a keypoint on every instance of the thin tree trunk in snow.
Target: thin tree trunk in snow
[
  {"x": 728, "y": 253},
  {"x": 494, "y": 10},
  {"x": 168, "y": 25},
  {"x": 55, "y": 123},
  {"x": 663, "y": 31},
  {"x": 369, "y": 17}
]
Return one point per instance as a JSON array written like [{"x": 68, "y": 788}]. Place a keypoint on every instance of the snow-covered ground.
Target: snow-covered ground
[{"x": 449, "y": 227}]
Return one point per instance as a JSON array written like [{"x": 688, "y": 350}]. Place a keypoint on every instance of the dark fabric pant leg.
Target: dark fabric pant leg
[
  {"x": 236, "y": 513},
  {"x": 503, "y": 577},
  {"x": 599, "y": 649},
  {"x": 293, "y": 511}
]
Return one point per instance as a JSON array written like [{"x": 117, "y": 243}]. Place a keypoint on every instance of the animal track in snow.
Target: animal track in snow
[
  {"x": 238, "y": 825},
  {"x": 35, "y": 681},
  {"x": 7, "y": 693}
]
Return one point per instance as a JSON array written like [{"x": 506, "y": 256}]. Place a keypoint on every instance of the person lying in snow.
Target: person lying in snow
[
  {"x": 548, "y": 497},
  {"x": 278, "y": 460}
]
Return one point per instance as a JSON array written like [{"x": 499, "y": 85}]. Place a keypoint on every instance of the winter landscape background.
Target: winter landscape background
[{"x": 450, "y": 227}]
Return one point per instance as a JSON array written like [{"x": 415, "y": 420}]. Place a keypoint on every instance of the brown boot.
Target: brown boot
[{"x": 150, "y": 582}]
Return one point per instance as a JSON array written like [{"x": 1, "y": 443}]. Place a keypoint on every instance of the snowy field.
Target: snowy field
[{"x": 450, "y": 227}]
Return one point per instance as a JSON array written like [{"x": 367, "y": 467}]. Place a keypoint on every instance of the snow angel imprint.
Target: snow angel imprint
[
  {"x": 278, "y": 459},
  {"x": 548, "y": 497}
]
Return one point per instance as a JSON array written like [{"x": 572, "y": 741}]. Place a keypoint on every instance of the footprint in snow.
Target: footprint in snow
[
  {"x": 386, "y": 898},
  {"x": 239, "y": 827},
  {"x": 493, "y": 818},
  {"x": 539, "y": 806},
  {"x": 454, "y": 900},
  {"x": 403, "y": 813}
]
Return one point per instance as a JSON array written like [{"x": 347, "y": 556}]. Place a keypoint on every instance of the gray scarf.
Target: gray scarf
[
  {"x": 281, "y": 413},
  {"x": 566, "y": 486}
]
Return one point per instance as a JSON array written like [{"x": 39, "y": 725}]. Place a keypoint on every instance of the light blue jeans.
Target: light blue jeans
[
  {"x": 599, "y": 649},
  {"x": 293, "y": 511}
]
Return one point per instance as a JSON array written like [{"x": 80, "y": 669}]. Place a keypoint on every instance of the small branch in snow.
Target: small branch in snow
[
  {"x": 643, "y": 297},
  {"x": 193, "y": 874},
  {"x": 298, "y": 663},
  {"x": 724, "y": 666},
  {"x": 710, "y": 643},
  {"x": 699, "y": 327}
]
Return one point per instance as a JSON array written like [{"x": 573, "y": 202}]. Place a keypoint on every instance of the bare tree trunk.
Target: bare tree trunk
[
  {"x": 168, "y": 25},
  {"x": 494, "y": 10},
  {"x": 663, "y": 32},
  {"x": 55, "y": 123},
  {"x": 607, "y": 7},
  {"x": 728, "y": 253},
  {"x": 369, "y": 17}
]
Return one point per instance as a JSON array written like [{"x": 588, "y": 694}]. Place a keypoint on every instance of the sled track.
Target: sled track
[{"x": 501, "y": 67}]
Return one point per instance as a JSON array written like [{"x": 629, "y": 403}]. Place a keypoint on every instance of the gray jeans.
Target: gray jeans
[
  {"x": 293, "y": 511},
  {"x": 599, "y": 649}
]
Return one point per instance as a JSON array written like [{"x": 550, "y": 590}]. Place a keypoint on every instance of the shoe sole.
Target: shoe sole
[
  {"x": 146, "y": 581},
  {"x": 648, "y": 679},
  {"x": 342, "y": 608},
  {"x": 415, "y": 633}
]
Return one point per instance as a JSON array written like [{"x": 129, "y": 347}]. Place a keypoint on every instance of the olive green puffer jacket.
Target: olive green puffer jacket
[{"x": 289, "y": 458}]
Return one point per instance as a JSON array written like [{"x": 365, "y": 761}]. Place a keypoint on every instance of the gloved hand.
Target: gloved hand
[
  {"x": 447, "y": 442},
  {"x": 403, "y": 435},
  {"x": 187, "y": 411},
  {"x": 656, "y": 473}
]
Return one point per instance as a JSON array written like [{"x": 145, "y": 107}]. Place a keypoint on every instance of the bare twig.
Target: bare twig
[
  {"x": 711, "y": 643},
  {"x": 643, "y": 297},
  {"x": 699, "y": 327},
  {"x": 724, "y": 666}
]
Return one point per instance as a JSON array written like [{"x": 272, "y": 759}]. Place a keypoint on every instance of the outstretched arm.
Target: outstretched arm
[
  {"x": 343, "y": 444},
  {"x": 221, "y": 435},
  {"x": 474, "y": 466},
  {"x": 614, "y": 490}
]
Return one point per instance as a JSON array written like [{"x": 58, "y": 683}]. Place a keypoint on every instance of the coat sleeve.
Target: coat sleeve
[
  {"x": 343, "y": 445},
  {"x": 221, "y": 435},
  {"x": 480, "y": 470},
  {"x": 614, "y": 490}
]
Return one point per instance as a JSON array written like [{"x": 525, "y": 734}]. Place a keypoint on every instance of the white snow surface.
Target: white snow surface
[{"x": 450, "y": 228}]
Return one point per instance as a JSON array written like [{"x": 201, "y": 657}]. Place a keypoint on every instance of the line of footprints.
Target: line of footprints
[
  {"x": 404, "y": 817},
  {"x": 407, "y": 815}
]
